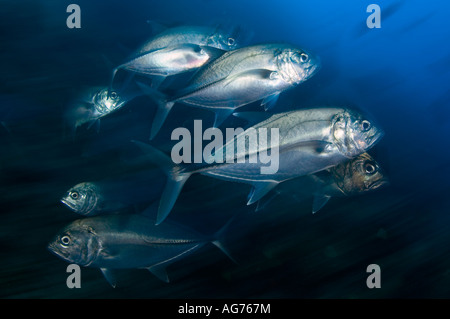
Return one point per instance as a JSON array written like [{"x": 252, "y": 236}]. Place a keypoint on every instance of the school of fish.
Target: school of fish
[{"x": 319, "y": 151}]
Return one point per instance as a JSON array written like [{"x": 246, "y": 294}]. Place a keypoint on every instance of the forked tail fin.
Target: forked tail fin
[{"x": 175, "y": 179}]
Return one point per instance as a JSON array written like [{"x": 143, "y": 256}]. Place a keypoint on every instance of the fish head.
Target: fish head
[
  {"x": 76, "y": 243},
  {"x": 354, "y": 133},
  {"x": 106, "y": 101},
  {"x": 222, "y": 41},
  {"x": 83, "y": 198},
  {"x": 296, "y": 65},
  {"x": 358, "y": 175}
]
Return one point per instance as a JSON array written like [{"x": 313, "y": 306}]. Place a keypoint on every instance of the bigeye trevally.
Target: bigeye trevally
[
  {"x": 128, "y": 242},
  {"x": 309, "y": 141},
  {"x": 114, "y": 194},
  {"x": 238, "y": 78},
  {"x": 357, "y": 176},
  {"x": 168, "y": 61},
  {"x": 93, "y": 104},
  {"x": 199, "y": 35},
  {"x": 177, "y": 50}
]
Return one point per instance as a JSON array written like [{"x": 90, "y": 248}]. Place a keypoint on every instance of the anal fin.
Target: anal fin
[
  {"x": 259, "y": 190},
  {"x": 160, "y": 272},
  {"x": 270, "y": 101},
  {"x": 109, "y": 276},
  {"x": 319, "y": 201}
]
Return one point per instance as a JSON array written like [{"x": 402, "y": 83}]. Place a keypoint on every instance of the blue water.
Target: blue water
[{"x": 399, "y": 74}]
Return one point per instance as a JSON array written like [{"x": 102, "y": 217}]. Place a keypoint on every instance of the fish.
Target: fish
[
  {"x": 199, "y": 35},
  {"x": 168, "y": 61},
  {"x": 129, "y": 241},
  {"x": 309, "y": 141},
  {"x": 95, "y": 103},
  {"x": 114, "y": 194},
  {"x": 357, "y": 176},
  {"x": 238, "y": 78}
]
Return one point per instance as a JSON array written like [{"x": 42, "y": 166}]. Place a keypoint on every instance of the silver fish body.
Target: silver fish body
[
  {"x": 229, "y": 81},
  {"x": 171, "y": 60},
  {"x": 125, "y": 241},
  {"x": 309, "y": 141},
  {"x": 241, "y": 77},
  {"x": 168, "y": 61},
  {"x": 199, "y": 35}
]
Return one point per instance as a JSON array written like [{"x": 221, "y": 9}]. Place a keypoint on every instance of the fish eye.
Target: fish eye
[
  {"x": 74, "y": 195},
  {"x": 231, "y": 41},
  {"x": 113, "y": 95},
  {"x": 65, "y": 240},
  {"x": 304, "y": 57},
  {"x": 370, "y": 168},
  {"x": 365, "y": 125}
]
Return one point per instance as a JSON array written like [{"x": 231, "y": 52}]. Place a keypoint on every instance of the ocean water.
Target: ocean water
[{"x": 399, "y": 74}]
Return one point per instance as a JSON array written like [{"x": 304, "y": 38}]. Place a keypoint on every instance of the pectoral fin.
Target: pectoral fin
[
  {"x": 157, "y": 80},
  {"x": 221, "y": 116},
  {"x": 259, "y": 190},
  {"x": 264, "y": 202},
  {"x": 160, "y": 272},
  {"x": 270, "y": 101},
  {"x": 252, "y": 117},
  {"x": 109, "y": 276},
  {"x": 319, "y": 201},
  {"x": 95, "y": 123}
]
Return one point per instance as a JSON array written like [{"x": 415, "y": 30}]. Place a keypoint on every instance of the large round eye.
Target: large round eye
[
  {"x": 273, "y": 75},
  {"x": 231, "y": 41},
  {"x": 365, "y": 125},
  {"x": 370, "y": 168},
  {"x": 304, "y": 57},
  {"x": 113, "y": 95},
  {"x": 65, "y": 240},
  {"x": 74, "y": 195}
]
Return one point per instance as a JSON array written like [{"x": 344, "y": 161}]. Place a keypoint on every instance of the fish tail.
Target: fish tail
[
  {"x": 163, "y": 107},
  {"x": 161, "y": 114},
  {"x": 175, "y": 179}
]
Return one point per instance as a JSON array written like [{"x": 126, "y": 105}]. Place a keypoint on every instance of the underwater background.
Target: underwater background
[{"x": 399, "y": 74}]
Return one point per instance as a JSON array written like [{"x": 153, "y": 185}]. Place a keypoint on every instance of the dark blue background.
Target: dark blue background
[{"x": 399, "y": 74}]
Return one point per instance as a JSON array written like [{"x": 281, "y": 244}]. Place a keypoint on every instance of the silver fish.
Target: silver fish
[
  {"x": 359, "y": 175},
  {"x": 93, "y": 104},
  {"x": 199, "y": 35},
  {"x": 128, "y": 242},
  {"x": 309, "y": 141},
  {"x": 240, "y": 77},
  {"x": 168, "y": 61},
  {"x": 114, "y": 194}
]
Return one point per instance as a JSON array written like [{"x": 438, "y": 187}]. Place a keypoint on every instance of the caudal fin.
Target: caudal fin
[
  {"x": 175, "y": 179},
  {"x": 163, "y": 107}
]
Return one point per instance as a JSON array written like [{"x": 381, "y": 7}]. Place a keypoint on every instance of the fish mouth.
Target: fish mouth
[
  {"x": 378, "y": 184},
  {"x": 375, "y": 138},
  {"x": 68, "y": 203},
  {"x": 53, "y": 249}
]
